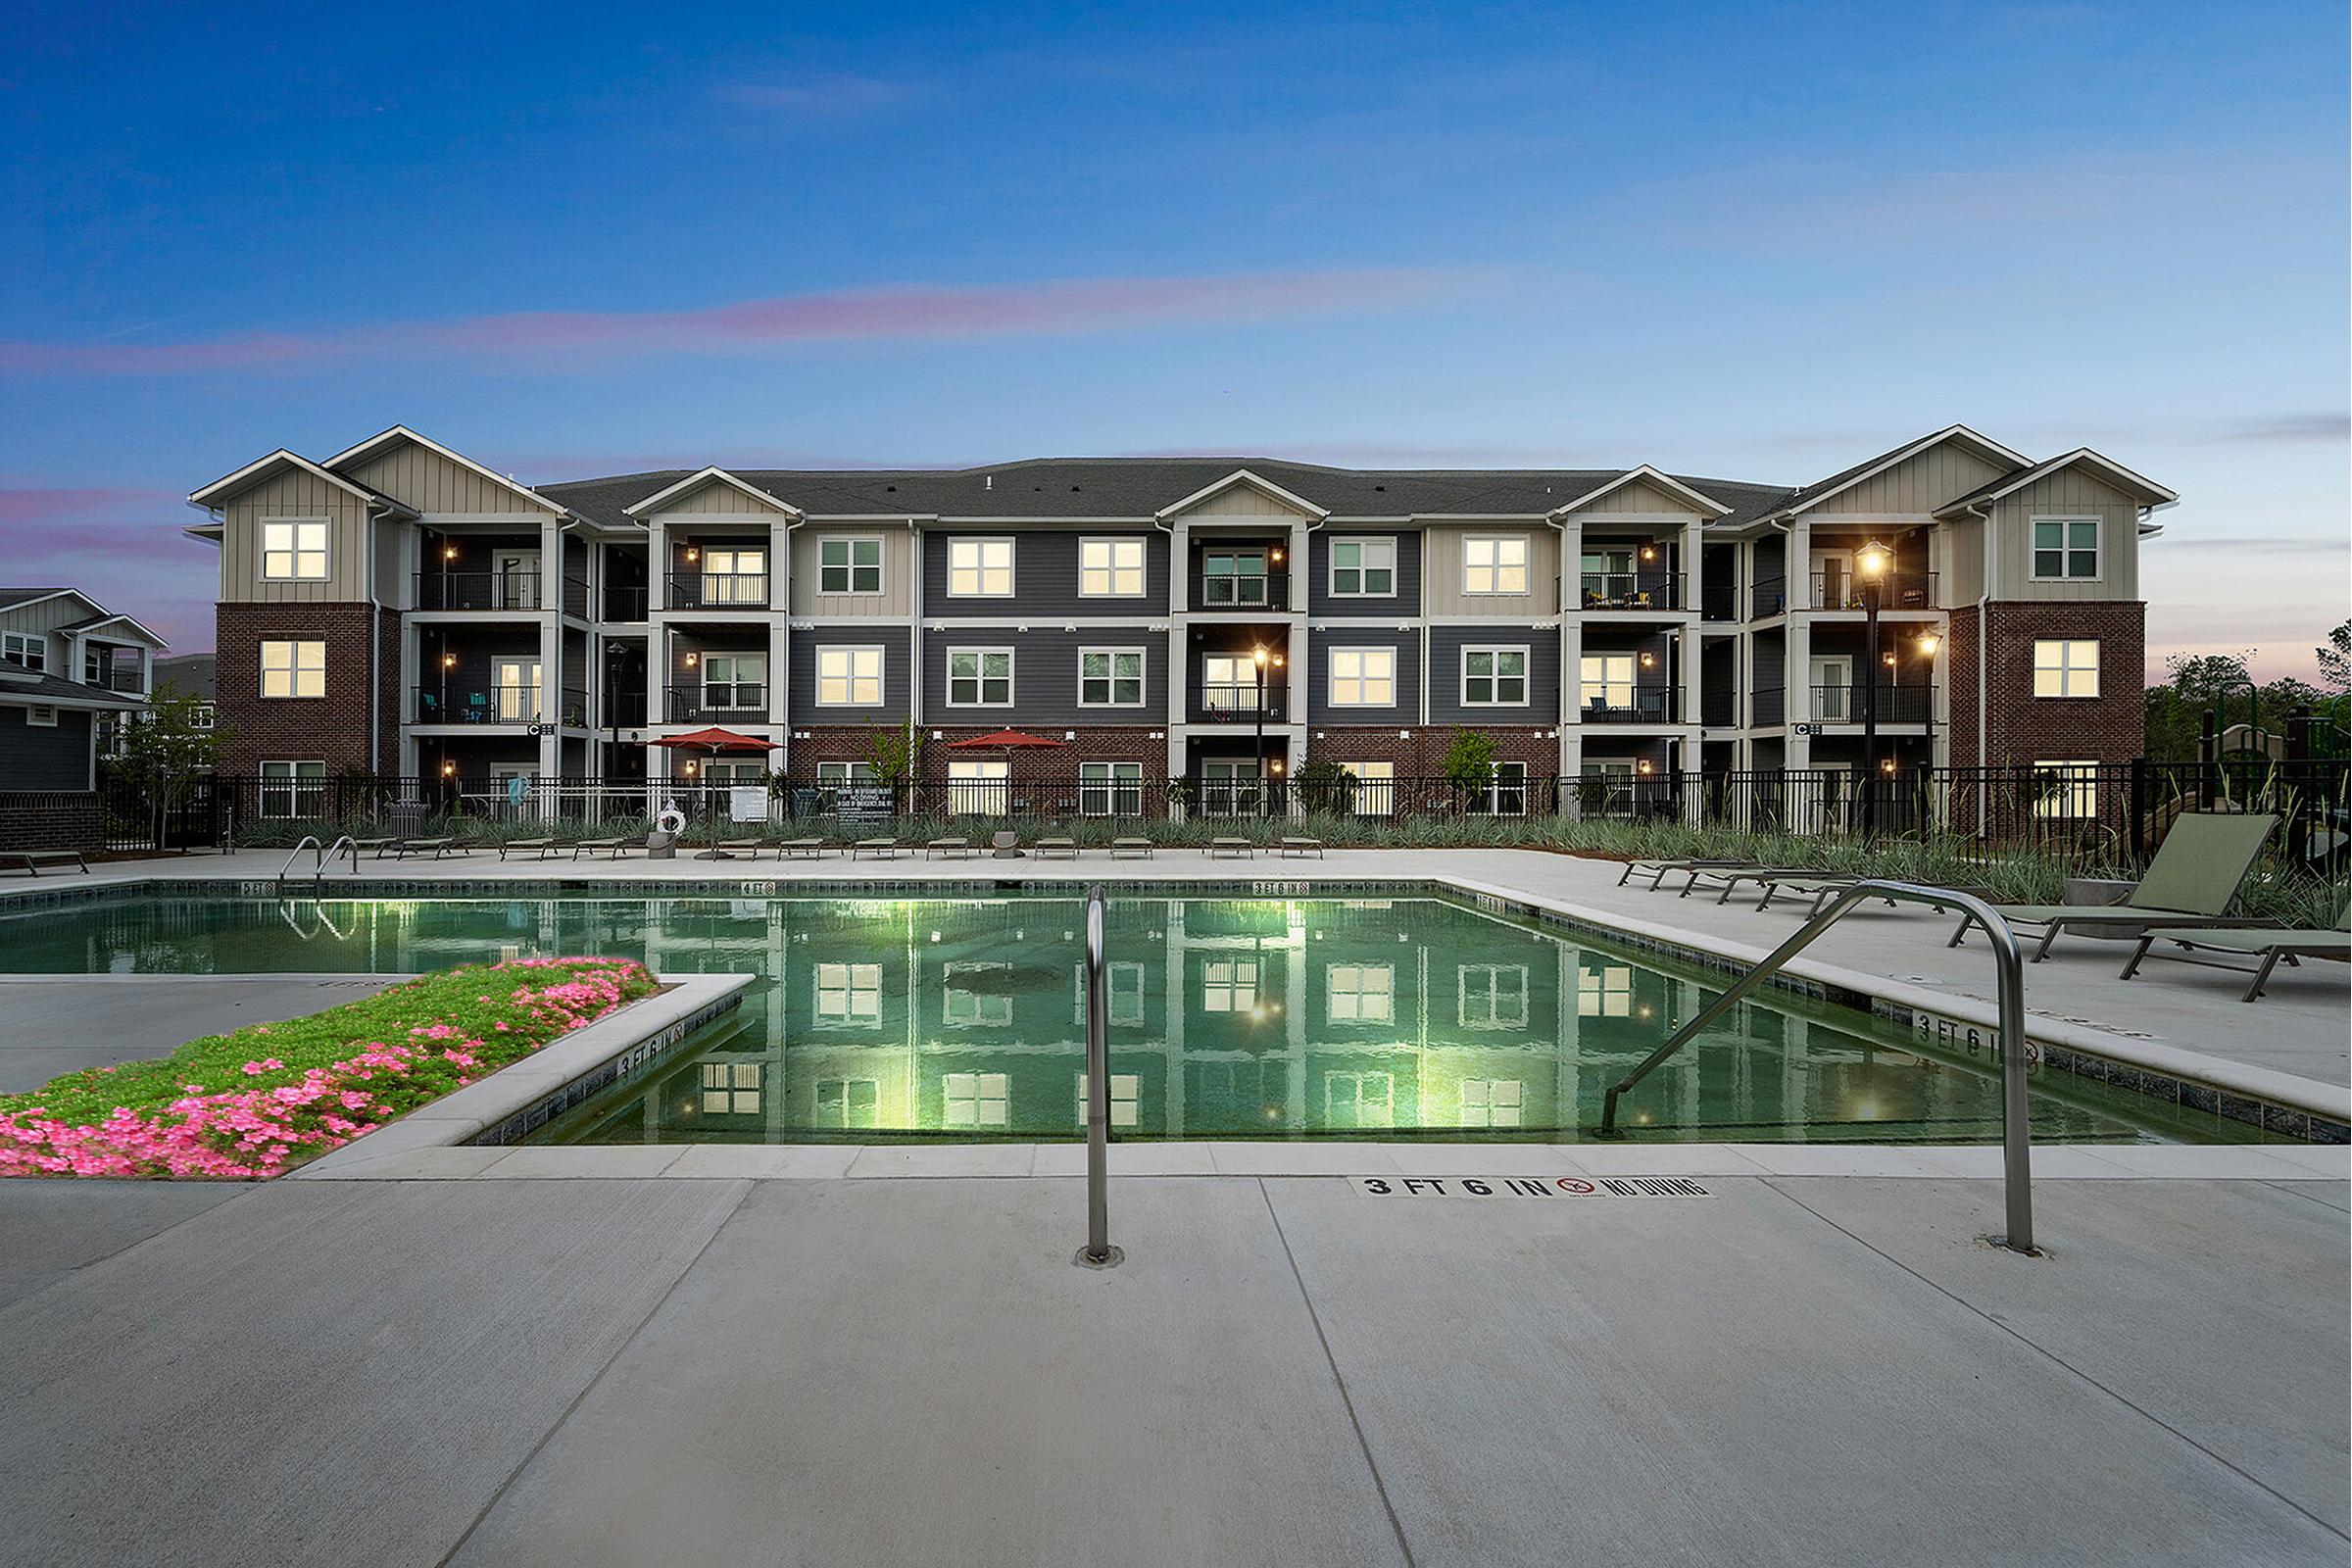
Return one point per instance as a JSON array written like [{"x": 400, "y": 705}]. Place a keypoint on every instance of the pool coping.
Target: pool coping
[{"x": 2273, "y": 1102}]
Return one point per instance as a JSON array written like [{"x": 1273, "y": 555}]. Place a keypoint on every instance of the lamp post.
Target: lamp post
[{"x": 1871, "y": 562}]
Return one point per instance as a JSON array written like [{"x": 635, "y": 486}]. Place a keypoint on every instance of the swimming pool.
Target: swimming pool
[{"x": 960, "y": 1018}]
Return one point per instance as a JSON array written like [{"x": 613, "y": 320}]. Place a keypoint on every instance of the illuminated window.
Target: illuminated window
[
  {"x": 1126, "y": 1095},
  {"x": 1608, "y": 680},
  {"x": 734, "y": 576},
  {"x": 849, "y": 677},
  {"x": 1229, "y": 985},
  {"x": 1363, "y": 678},
  {"x": 1360, "y": 993},
  {"x": 2070, "y": 789},
  {"x": 294, "y": 668},
  {"x": 1605, "y": 992},
  {"x": 731, "y": 1088},
  {"x": 1375, "y": 792},
  {"x": 1495, "y": 565},
  {"x": 294, "y": 548},
  {"x": 1110, "y": 569},
  {"x": 847, "y": 992},
  {"x": 980, "y": 568},
  {"x": 2066, "y": 669},
  {"x": 974, "y": 1098},
  {"x": 1490, "y": 1102}
]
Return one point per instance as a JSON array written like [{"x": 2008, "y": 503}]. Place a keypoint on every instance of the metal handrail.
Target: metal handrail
[
  {"x": 2017, "y": 1137},
  {"x": 1098, "y": 1253},
  {"x": 310, "y": 842},
  {"x": 343, "y": 846}
]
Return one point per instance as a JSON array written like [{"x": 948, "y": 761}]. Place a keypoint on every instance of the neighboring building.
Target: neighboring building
[
  {"x": 401, "y": 608},
  {"x": 189, "y": 675},
  {"x": 67, "y": 666}
]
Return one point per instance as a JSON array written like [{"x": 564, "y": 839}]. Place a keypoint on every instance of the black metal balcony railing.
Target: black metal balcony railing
[
  {"x": 624, "y": 709},
  {"x": 718, "y": 590},
  {"x": 1719, "y": 601},
  {"x": 1244, "y": 590},
  {"x": 1641, "y": 706},
  {"x": 517, "y": 590},
  {"x": 1836, "y": 588},
  {"x": 1718, "y": 709},
  {"x": 459, "y": 702},
  {"x": 1631, "y": 590},
  {"x": 1768, "y": 597},
  {"x": 717, "y": 703},
  {"x": 625, "y": 604},
  {"x": 1842, "y": 704},
  {"x": 1768, "y": 705},
  {"x": 116, "y": 679},
  {"x": 1239, "y": 703}
]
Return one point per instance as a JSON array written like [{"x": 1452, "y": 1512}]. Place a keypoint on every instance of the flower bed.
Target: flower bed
[{"x": 265, "y": 1099}]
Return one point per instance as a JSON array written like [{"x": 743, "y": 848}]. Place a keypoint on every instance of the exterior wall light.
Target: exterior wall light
[
  {"x": 1928, "y": 644},
  {"x": 1873, "y": 559}
]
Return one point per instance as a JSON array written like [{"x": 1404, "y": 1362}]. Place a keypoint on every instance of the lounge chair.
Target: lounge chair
[
  {"x": 1057, "y": 848},
  {"x": 612, "y": 847},
  {"x": 436, "y": 848},
  {"x": 1728, "y": 877},
  {"x": 1300, "y": 847},
  {"x": 2258, "y": 946},
  {"x": 800, "y": 850},
  {"x": 360, "y": 847},
  {"x": 1823, "y": 887},
  {"x": 31, "y": 860},
  {"x": 1230, "y": 847},
  {"x": 1658, "y": 870},
  {"x": 536, "y": 848},
  {"x": 1131, "y": 849},
  {"x": 879, "y": 849},
  {"x": 748, "y": 848},
  {"x": 2195, "y": 875},
  {"x": 948, "y": 848}
]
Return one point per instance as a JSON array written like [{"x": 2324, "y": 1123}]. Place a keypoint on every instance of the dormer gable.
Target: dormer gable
[
  {"x": 426, "y": 476},
  {"x": 713, "y": 489},
  {"x": 1644, "y": 489},
  {"x": 1243, "y": 492},
  {"x": 278, "y": 464},
  {"x": 1913, "y": 480}
]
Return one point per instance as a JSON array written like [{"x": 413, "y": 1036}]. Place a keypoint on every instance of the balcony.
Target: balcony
[
  {"x": 487, "y": 705},
  {"x": 1719, "y": 601},
  {"x": 1635, "y": 591},
  {"x": 1839, "y": 589},
  {"x": 518, "y": 591},
  {"x": 1640, "y": 706},
  {"x": 116, "y": 678},
  {"x": 1843, "y": 703},
  {"x": 624, "y": 709},
  {"x": 625, "y": 604},
  {"x": 1242, "y": 590},
  {"x": 718, "y": 590},
  {"x": 1239, "y": 703},
  {"x": 1768, "y": 597},
  {"x": 716, "y": 703}
]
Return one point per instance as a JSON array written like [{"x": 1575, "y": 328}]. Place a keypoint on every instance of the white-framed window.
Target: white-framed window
[
  {"x": 849, "y": 677},
  {"x": 1110, "y": 569},
  {"x": 1364, "y": 569},
  {"x": 1234, "y": 577},
  {"x": 980, "y": 568},
  {"x": 1230, "y": 685},
  {"x": 848, "y": 565},
  {"x": 1608, "y": 680},
  {"x": 1359, "y": 993},
  {"x": 293, "y": 668},
  {"x": 1363, "y": 678},
  {"x": 844, "y": 776},
  {"x": 1126, "y": 1097},
  {"x": 27, "y": 650},
  {"x": 294, "y": 548},
  {"x": 1492, "y": 1101},
  {"x": 1490, "y": 995},
  {"x": 1111, "y": 789},
  {"x": 1605, "y": 992},
  {"x": 978, "y": 786},
  {"x": 735, "y": 681},
  {"x": 2066, "y": 549},
  {"x": 849, "y": 993},
  {"x": 1122, "y": 994},
  {"x": 200, "y": 716},
  {"x": 848, "y": 1102},
  {"x": 731, "y": 1088},
  {"x": 1229, "y": 985},
  {"x": 41, "y": 715},
  {"x": 1360, "y": 1100},
  {"x": 2066, "y": 667},
  {"x": 1111, "y": 678},
  {"x": 1494, "y": 563},
  {"x": 976, "y": 996},
  {"x": 980, "y": 678},
  {"x": 721, "y": 773},
  {"x": 732, "y": 575},
  {"x": 975, "y": 1099},
  {"x": 1494, "y": 677},
  {"x": 2073, "y": 788},
  {"x": 292, "y": 789},
  {"x": 1375, "y": 788},
  {"x": 1505, "y": 794}
]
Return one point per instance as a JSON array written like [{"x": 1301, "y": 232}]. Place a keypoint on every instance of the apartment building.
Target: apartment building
[
  {"x": 69, "y": 668},
  {"x": 400, "y": 609}
]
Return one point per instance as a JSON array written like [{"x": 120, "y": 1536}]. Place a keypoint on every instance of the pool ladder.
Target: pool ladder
[
  {"x": 2008, "y": 961},
  {"x": 1098, "y": 1253},
  {"x": 321, "y": 859}
]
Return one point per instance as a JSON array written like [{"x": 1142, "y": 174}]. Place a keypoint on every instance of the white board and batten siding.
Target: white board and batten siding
[
  {"x": 1916, "y": 486},
  {"x": 1443, "y": 598},
  {"x": 424, "y": 482},
  {"x": 294, "y": 494},
  {"x": 897, "y": 598},
  {"x": 2068, "y": 493}
]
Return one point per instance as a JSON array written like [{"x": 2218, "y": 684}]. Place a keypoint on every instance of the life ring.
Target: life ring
[{"x": 672, "y": 821}]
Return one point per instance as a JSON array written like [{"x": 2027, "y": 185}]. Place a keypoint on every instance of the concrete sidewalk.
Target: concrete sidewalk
[
  {"x": 1793, "y": 1370},
  {"x": 54, "y": 1024}
]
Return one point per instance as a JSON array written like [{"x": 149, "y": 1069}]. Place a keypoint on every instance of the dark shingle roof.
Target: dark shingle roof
[
  {"x": 191, "y": 673},
  {"x": 10, "y": 597},
  {"x": 22, "y": 684}
]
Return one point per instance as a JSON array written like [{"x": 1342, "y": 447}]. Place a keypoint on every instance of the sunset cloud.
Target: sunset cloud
[{"x": 1079, "y": 306}]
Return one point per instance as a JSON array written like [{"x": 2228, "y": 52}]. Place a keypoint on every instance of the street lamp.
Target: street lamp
[{"x": 1870, "y": 565}]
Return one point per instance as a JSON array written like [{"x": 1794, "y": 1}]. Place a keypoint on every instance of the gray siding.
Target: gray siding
[
  {"x": 897, "y": 672},
  {"x": 1446, "y": 645},
  {"x": 2069, "y": 493},
  {"x": 1407, "y": 645},
  {"x": 1044, "y": 576},
  {"x": 1917, "y": 485},
  {"x": 1045, "y": 678},
  {"x": 35, "y": 756},
  {"x": 295, "y": 494},
  {"x": 1407, "y": 599},
  {"x": 426, "y": 481}
]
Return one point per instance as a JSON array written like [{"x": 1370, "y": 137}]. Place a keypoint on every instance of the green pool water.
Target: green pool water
[{"x": 1230, "y": 1018}]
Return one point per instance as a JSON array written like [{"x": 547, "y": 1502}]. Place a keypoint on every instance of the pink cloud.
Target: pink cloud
[
  {"x": 823, "y": 97},
  {"x": 1068, "y": 308}
]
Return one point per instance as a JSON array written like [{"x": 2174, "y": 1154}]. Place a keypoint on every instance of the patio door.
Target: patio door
[
  {"x": 978, "y": 786},
  {"x": 1229, "y": 788},
  {"x": 515, "y": 584},
  {"x": 1228, "y": 685},
  {"x": 514, "y": 691},
  {"x": 1834, "y": 580},
  {"x": 1832, "y": 681}
]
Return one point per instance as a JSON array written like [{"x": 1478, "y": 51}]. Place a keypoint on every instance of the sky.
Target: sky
[{"x": 1748, "y": 241}]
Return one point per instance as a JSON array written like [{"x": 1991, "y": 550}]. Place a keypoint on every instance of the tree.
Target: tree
[
  {"x": 895, "y": 755},
  {"x": 1469, "y": 761},
  {"x": 2335, "y": 659},
  {"x": 166, "y": 748},
  {"x": 2206, "y": 678}
]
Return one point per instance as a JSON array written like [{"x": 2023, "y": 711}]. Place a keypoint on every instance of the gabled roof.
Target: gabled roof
[
  {"x": 19, "y": 685},
  {"x": 11, "y": 598},
  {"x": 1244, "y": 476},
  {"x": 401, "y": 433},
  {"x": 1813, "y": 495},
  {"x": 1703, "y": 504},
  {"x": 191, "y": 673},
  {"x": 93, "y": 622},
  {"x": 2109, "y": 471},
  {"x": 711, "y": 475},
  {"x": 253, "y": 472}
]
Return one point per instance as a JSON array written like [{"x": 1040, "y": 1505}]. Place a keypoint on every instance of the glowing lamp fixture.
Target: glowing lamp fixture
[
  {"x": 449, "y": 769},
  {"x": 692, "y": 553},
  {"x": 1277, "y": 556},
  {"x": 693, "y": 660},
  {"x": 1929, "y": 643},
  {"x": 1887, "y": 767},
  {"x": 449, "y": 551},
  {"x": 1259, "y": 655},
  {"x": 1649, "y": 551},
  {"x": 1873, "y": 559},
  {"x": 449, "y": 660},
  {"x": 1647, "y": 660},
  {"x": 692, "y": 766},
  {"x": 1642, "y": 767},
  {"x": 1275, "y": 766}
]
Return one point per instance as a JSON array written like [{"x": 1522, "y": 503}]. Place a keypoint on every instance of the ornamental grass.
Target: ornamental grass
[{"x": 262, "y": 1100}]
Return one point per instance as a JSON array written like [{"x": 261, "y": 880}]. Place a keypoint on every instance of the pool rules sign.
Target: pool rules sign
[{"x": 1584, "y": 1188}]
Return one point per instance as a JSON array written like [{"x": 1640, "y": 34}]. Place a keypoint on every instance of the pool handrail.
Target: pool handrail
[
  {"x": 2017, "y": 1137},
  {"x": 321, "y": 858},
  {"x": 1098, "y": 1253},
  {"x": 310, "y": 842}
]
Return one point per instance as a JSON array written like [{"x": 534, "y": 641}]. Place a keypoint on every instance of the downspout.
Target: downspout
[
  {"x": 375, "y": 645},
  {"x": 1983, "y": 638}
]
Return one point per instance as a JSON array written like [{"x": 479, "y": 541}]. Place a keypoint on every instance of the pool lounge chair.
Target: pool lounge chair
[
  {"x": 879, "y": 849},
  {"x": 1728, "y": 877},
  {"x": 30, "y": 862},
  {"x": 2195, "y": 875},
  {"x": 536, "y": 848},
  {"x": 1227, "y": 848},
  {"x": 1821, "y": 886},
  {"x": 612, "y": 847},
  {"x": 1131, "y": 849},
  {"x": 1057, "y": 848},
  {"x": 1300, "y": 847},
  {"x": 948, "y": 848},
  {"x": 1659, "y": 869},
  {"x": 2261, "y": 947},
  {"x": 800, "y": 850},
  {"x": 436, "y": 848}
]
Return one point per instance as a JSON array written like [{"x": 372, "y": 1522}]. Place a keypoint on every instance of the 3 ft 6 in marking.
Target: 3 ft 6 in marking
[{"x": 1526, "y": 1187}]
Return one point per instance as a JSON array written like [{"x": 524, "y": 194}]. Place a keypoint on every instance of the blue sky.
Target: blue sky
[{"x": 1751, "y": 241}]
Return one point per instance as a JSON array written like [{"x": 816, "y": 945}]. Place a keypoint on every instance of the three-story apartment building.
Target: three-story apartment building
[{"x": 400, "y": 609}]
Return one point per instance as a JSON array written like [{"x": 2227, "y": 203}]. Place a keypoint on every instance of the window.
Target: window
[
  {"x": 1492, "y": 1101},
  {"x": 1359, "y": 993},
  {"x": 1111, "y": 789},
  {"x": 1359, "y": 1099},
  {"x": 294, "y": 548},
  {"x": 1363, "y": 678},
  {"x": 1491, "y": 996},
  {"x": 1111, "y": 678},
  {"x": 849, "y": 677},
  {"x": 2066, "y": 669},
  {"x": 1608, "y": 680},
  {"x": 2066, "y": 549},
  {"x": 1364, "y": 569},
  {"x": 1233, "y": 577},
  {"x": 1229, "y": 684},
  {"x": 974, "y": 996},
  {"x": 1605, "y": 992},
  {"x": 977, "y": 786},
  {"x": 735, "y": 681},
  {"x": 720, "y": 774},
  {"x": 1494, "y": 677},
  {"x": 200, "y": 716},
  {"x": 733, "y": 577},
  {"x": 2068, "y": 789},
  {"x": 980, "y": 678},
  {"x": 28, "y": 650},
  {"x": 848, "y": 1102},
  {"x": 974, "y": 1098},
  {"x": 514, "y": 691},
  {"x": 1110, "y": 567},
  {"x": 293, "y": 670},
  {"x": 731, "y": 1088},
  {"x": 1505, "y": 792},
  {"x": 1492, "y": 566},
  {"x": 1126, "y": 1092},
  {"x": 844, "y": 776},
  {"x": 848, "y": 992},
  {"x": 848, "y": 565},
  {"x": 292, "y": 789},
  {"x": 1229, "y": 985},
  {"x": 1375, "y": 787},
  {"x": 980, "y": 568},
  {"x": 1122, "y": 994},
  {"x": 41, "y": 715}
]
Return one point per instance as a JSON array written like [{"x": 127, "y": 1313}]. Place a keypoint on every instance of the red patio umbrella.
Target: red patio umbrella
[
  {"x": 1006, "y": 741},
  {"x": 714, "y": 741}
]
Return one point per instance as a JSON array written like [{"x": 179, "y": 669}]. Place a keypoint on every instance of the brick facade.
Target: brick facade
[
  {"x": 333, "y": 728},
  {"x": 2021, "y": 728},
  {"x": 1121, "y": 743},
  {"x": 50, "y": 819},
  {"x": 1422, "y": 754}
]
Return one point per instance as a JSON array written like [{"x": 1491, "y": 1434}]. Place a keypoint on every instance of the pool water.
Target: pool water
[{"x": 1230, "y": 1018}]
